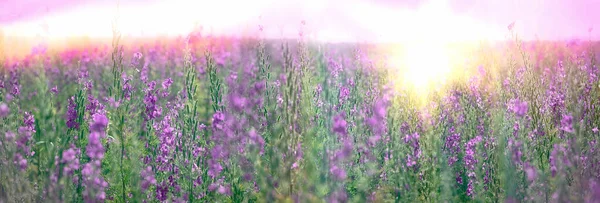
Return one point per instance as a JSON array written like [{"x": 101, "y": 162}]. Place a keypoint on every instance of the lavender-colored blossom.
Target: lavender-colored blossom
[
  {"x": 566, "y": 123},
  {"x": 23, "y": 141},
  {"x": 70, "y": 159},
  {"x": 93, "y": 181},
  {"x": 340, "y": 155},
  {"x": 9, "y": 136},
  {"x": 150, "y": 100},
  {"x": 413, "y": 157},
  {"x": 516, "y": 149},
  {"x": 519, "y": 108},
  {"x": 137, "y": 59},
  {"x": 4, "y": 110},
  {"x": 217, "y": 120},
  {"x": 147, "y": 178},
  {"x": 344, "y": 94},
  {"x": 339, "y": 125},
  {"x": 54, "y": 90},
  {"x": 127, "y": 87},
  {"x": 14, "y": 78},
  {"x": 166, "y": 135},
  {"x": 162, "y": 191},
  {"x": 72, "y": 114},
  {"x": 29, "y": 121},
  {"x": 377, "y": 122},
  {"x": 471, "y": 162},
  {"x": 531, "y": 172},
  {"x": 20, "y": 161},
  {"x": 452, "y": 145},
  {"x": 99, "y": 122}
]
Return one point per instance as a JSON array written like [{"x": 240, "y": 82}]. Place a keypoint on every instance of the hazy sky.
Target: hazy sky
[{"x": 333, "y": 20}]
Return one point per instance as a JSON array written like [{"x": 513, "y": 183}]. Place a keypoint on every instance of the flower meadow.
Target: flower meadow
[{"x": 207, "y": 119}]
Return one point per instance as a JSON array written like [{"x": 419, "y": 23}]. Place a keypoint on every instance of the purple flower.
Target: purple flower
[
  {"x": 70, "y": 159},
  {"x": 217, "y": 120},
  {"x": 99, "y": 122},
  {"x": 470, "y": 162},
  {"x": 413, "y": 141},
  {"x": 29, "y": 121},
  {"x": 127, "y": 87},
  {"x": 335, "y": 167},
  {"x": 566, "y": 123},
  {"x": 94, "y": 105},
  {"x": 339, "y": 125},
  {"x": 93, "y": 181},
  {"x": 452, "y": 145},
  {"x": 9, "y": 136},
  {"x": 54, "y": 90},
  {"x": 147, "y": 178},
  {"x": 344, "y": 94},
  {"x": 338, "y": 196},
  {"x": 72, "y": 114},
  {"x": 238, "y": 102},
  {"x": 4, "y": 110},
  {"x": 225, "y": 190},
  {"x": 531, "y": 172},
  {"x": 14, "y": 80},
  {"x": 162, "y": 190},
  {"x": 214, "y": 168},
  {"x": 519, "y": 108},
  {"x": 167, "y": 83},
  {"x": 338, "y": 173},
  {"x": 20, "y": 161},
  {"x": 137, "y": 59},
  {"x": 152, "y": 109},
  {"x": 377, "y": 122},
  {"x": 166, "y": 135}
]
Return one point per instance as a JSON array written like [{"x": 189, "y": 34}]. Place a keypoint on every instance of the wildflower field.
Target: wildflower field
[{"x": 207, "y": 119}]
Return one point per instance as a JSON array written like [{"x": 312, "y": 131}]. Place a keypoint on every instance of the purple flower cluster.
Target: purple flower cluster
[
  {"x": 93, "y": 181},
  {"x": 14, "y": 81},
  {"x": 127, "y": 86},
  {"x": 378, "y": 122},
  {"x": 153, "y": 110},
  {"x": 4, "y": 110},
  {"x": 72, "y": 114},
  {"x": 340, "y": 125},
  {"x": 148, "y": 178},
  {"x": 412, "y": 158},
  {"x": 344, "y": 94},
  {"x": 519, "y": 108},
  {"x": 471, "y": 162},
  {"x": 166, "y": 135},
  {"x": 555, "y": 156},
  {"x": 566, "y": 123},
  {"x": 70, "y": 159},
  {"x": 452, "y": 145},
  {"x": 336, "y": 165},
  {"x": 25, "y": 137},
  {"x": 137, "y": 59}
]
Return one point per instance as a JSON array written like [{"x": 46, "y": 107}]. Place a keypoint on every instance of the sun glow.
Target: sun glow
[{"x": 436, "y": 49}]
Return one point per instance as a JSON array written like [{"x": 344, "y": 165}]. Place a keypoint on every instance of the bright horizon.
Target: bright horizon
[
  {"x": 424, "y": 29},
  {"x": 330, "y": 21}
]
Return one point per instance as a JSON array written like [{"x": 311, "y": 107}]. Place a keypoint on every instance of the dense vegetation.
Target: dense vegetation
[{"x": 256, "y": 121}]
